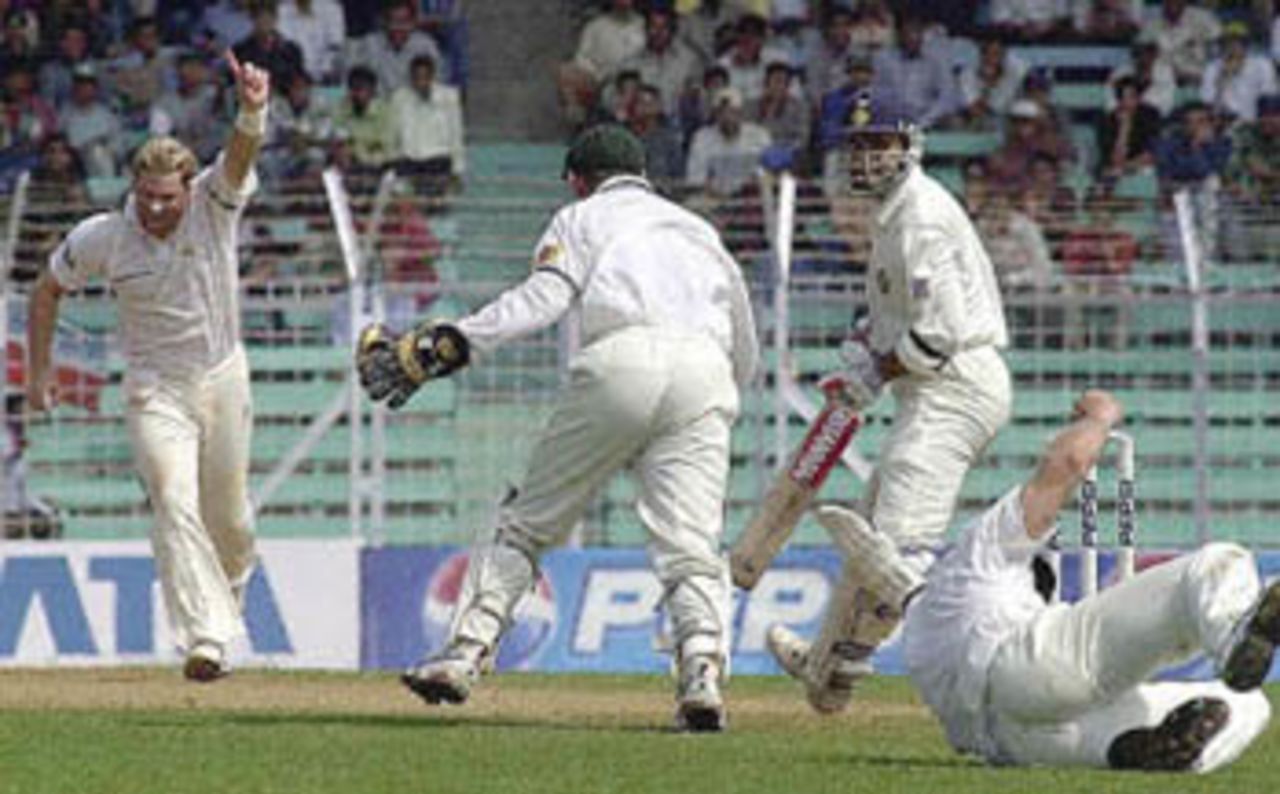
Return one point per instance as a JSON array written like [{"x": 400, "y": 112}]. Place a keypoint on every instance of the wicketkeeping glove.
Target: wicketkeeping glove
[
  {"x": 858, "y": 381},
  {"x": 393, "y": 367}
]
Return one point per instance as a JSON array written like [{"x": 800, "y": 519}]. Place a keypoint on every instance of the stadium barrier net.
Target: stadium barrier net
[{"x": 1207, "y": 427}]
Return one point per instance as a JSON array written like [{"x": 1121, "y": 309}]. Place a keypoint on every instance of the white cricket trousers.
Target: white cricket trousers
[
  {"x": 191, "y": 443},
  {"x": 1064, "y": 686},
  {"x": 941, "y": 427},
  {"x": 661, "y": 402}
]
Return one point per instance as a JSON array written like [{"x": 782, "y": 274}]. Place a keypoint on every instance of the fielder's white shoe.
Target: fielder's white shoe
[
  {"x": 446, "y": 677},
  {"x": 792, "y": 654},
  {"x": 699, "y": 706}
]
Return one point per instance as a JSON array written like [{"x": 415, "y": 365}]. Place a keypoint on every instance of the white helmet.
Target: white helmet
[{"x": 883, "y": 145}]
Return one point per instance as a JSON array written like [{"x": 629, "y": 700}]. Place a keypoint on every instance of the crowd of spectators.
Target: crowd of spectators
[
  {"x": 357, "y": 83},
  {"x": 741, "y": 83},
  {"x": 714, "y": 88}
]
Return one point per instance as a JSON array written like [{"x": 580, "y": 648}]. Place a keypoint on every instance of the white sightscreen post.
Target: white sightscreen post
[
  {"x": 8, "y": 249},
  {"x": 340, "y": 209},
  {"x": 779, "y": 214},
  {"x": 1193, "y": 261},
  {"x": 788, "y": 395}
]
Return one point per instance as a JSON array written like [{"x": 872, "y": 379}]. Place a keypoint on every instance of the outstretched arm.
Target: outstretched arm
[
  {"x": 41, "y": 325},
  {"x": 1068, "y": 459},
  {"x": 253, "y": 91}
]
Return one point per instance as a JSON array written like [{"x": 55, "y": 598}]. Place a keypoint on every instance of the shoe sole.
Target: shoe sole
[
  {"x": 1176, "y": 743},
  {"x": 1250, "y": 661},
  {"x": 828, "y": 701},
  {"x": 791, "y": 660},
  {"x": 203, "y": 671},
  {"x": 820, "y": 699},
  {"x": 700, "y": 719},
  {"x": 433, "y": 690}
]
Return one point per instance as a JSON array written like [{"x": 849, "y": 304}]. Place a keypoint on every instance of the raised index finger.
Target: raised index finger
[{"x": 233, "y": 63}]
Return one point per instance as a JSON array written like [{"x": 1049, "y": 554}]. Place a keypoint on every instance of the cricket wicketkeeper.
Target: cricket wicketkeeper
[{"x": 668, "y": 341}]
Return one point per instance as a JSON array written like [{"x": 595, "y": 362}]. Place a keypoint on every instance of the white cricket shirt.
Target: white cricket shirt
[
  {"x": 178, "y": 298},
  {"x": 623, "y": 257},
  {"x": 978, "y": 592},
  {"x": 931, "y": 289}
]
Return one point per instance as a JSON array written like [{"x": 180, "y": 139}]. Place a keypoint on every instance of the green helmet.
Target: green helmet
[{"x": 605, "y": 149}]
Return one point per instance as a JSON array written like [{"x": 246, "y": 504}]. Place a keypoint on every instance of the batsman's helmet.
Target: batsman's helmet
[
  {"x": 604, "y": 150},
  {"x": 883, "y": 144}
]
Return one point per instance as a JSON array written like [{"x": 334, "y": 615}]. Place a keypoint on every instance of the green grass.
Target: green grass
[{"x": 136, "y": 732}]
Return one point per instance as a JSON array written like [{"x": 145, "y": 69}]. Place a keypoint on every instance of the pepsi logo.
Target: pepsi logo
[{"x": 534, "y": 620}]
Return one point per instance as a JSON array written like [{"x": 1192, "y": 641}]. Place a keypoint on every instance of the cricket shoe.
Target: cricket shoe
[
  {"x": 1176, "y": 743},
  {"x": 826, "y": 697},
  {"x": 204, "y": 664},
  {"x": 1254, "y": 644},
  {"x": 445, "y": 678},
  {"x": 699, "y": 706}
]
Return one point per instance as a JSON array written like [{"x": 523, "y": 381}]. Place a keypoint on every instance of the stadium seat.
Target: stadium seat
[
  {"x": 105, "y": 190},
  {"x": 1080, "y": 96},
  {"x": 956, "y": 145},
  {"x": 1056, "y": 57}
]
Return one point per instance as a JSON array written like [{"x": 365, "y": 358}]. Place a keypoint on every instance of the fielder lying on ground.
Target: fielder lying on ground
[{"x": 1019, "y": 681}]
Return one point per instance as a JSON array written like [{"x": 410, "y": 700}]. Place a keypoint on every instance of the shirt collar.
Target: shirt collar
[
  {"x": 623, "y": 180},
  {"x": 896, "y": 195}
]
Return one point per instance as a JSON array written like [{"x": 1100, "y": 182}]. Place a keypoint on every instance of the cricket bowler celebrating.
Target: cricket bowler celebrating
[
  {"x": 1017, "y": 680},
  {"x": 668, "y": 341},
  {"x": 933, "y": 334},
  {"x": 170, "y": 258}
]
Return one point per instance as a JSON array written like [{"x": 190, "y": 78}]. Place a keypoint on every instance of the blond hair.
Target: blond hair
[{"x": 164, "y": 155}]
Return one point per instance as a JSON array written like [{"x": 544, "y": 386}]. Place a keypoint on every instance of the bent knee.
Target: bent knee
[
  {"x": 1224, "y": 551},
  {"x": 1222, "y": 561}
]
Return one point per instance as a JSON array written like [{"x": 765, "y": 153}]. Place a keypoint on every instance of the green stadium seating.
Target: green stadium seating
[
  {"x": 1080, "y": 96},
  {"x": 458, "y": 440},
  {"x": 949, "y": 145}
]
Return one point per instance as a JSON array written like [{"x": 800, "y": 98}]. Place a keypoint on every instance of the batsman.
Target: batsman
[
  {"x": 932, "y": 337},
  {"x": 668, "y": 341}
]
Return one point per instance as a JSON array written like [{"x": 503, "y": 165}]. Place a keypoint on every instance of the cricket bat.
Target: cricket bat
[{"x": 792, "y": 492}]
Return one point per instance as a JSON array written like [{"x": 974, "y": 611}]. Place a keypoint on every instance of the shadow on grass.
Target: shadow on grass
[
  {"x": 429, "y": 722},
  {"x": 915, "y": 762},
  {"x": 870, "y": 758}
]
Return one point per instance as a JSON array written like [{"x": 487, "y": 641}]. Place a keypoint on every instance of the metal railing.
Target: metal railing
[{"x": 1195, "y": 359}]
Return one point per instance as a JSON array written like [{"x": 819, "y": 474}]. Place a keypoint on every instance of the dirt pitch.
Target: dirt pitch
[{"x": 599, "y": 701}]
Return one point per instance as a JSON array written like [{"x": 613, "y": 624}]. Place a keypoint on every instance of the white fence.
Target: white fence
[{"x": 1207, "y": 424}]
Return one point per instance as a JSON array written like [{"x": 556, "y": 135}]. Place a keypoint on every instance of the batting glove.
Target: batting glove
[
  {"x": 858, "y": 381},
  {"x": 393, "y": 367}
]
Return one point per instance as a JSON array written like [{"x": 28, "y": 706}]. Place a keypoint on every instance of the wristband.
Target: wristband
[{"x": 252, "y": 122}]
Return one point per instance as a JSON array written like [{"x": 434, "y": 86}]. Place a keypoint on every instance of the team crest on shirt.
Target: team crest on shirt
[{"x": 548, "y": 254}]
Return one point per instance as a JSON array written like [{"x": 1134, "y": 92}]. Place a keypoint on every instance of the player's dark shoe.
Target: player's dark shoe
[
  {"x": 203, "y": 670},
  {"x": 1176, "y": 743},
  {"x": 1254, "y": 645},
  {"x": 443, "y": 679}
]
